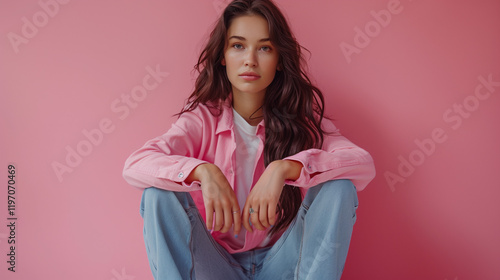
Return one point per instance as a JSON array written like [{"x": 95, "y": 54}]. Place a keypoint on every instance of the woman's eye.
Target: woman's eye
[
  {"x": 237, "y": 46},
  {"x": 265, "y": 48}
]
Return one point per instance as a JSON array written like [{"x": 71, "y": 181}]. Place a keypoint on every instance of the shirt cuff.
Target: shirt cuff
[{"x": 182, "y": 173}]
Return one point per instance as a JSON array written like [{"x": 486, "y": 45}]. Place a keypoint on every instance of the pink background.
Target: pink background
[{"x": 439, "y": 222}]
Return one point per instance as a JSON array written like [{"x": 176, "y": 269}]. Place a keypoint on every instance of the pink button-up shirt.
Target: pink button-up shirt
[{"x": 199, "y": 137}]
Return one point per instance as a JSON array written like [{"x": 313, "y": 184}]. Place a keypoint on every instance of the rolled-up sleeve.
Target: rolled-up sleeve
[
  {"x": 338, "y": 158},
  {"x": 166, "y": 161}
]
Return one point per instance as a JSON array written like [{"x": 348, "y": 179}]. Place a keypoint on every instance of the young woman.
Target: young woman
[{"x": 251, "y": 181}]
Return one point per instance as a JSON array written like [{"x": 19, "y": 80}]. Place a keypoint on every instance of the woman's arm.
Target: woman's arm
[
  {"x": 339, "y": 158},
  {"x": 178, "y": 161},
  {"x": 166, "y": 161}
]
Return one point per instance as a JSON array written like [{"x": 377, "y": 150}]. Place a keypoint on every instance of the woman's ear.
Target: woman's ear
[{"x": 223, "y": 62}]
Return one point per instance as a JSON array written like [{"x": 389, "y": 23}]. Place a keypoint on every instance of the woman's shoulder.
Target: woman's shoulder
[
  {"x": 208, "y": 110},
  {"x": 328, "y": 126},
  {"x": 209, "y": 114}
]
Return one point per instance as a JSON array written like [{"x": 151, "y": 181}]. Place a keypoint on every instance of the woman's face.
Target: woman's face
[{"x": 250, "y": 58}]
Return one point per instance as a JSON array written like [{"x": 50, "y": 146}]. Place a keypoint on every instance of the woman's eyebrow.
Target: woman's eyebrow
[{"x": 244, "y": 39}]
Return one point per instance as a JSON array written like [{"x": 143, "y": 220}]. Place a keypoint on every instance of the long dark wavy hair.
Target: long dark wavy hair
[{"x": 293, "y": 107}]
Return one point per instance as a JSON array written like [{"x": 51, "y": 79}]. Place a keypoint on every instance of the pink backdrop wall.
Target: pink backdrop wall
[{"x": 416, "y": 83}]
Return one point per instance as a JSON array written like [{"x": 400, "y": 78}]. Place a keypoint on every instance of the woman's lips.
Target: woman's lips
[{"x": 250, "y": 76}]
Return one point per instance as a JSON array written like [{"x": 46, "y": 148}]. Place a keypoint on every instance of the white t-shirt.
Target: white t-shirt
[{"x": 247, "y": 144}]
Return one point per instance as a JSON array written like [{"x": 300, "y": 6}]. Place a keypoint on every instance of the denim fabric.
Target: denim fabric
[{"x": 314, "y": 246}]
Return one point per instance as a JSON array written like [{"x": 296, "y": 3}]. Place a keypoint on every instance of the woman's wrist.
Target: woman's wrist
[
  {"x": 287, "y": 169},
  {"x": 197, "y": 173}
]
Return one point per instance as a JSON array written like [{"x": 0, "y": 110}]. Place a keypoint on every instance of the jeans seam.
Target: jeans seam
[
  {"x": 191, "y": 271},
  {"x": 282, "y": 241},
  {"x": 216, "y": 246},
  {"x": 306, "y": 207},
  {"x": 301, "y": 245}
]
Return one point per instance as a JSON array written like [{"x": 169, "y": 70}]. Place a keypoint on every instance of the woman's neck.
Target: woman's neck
[{"x": 249, "y": 106}]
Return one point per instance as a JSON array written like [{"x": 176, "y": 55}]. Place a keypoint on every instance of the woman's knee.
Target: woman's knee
[
  {"x": 333, "y": 192},
  {"x": 154, "y": 198},
  {"x": 339, "y": 188},
  {"x": 159, "y": 199},
  {"x": 153, "y": 195}
]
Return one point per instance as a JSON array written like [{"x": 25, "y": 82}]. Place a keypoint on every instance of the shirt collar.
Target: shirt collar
[{"x": 226, "y": 123}]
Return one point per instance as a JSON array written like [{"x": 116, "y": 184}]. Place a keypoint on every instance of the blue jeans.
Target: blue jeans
[{"x": 314, "y": 246}]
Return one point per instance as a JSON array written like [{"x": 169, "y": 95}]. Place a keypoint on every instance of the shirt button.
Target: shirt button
[
  {"x": 180, "y": 175},
  {"x": 309, "y": 166},
  {"x": 230, "y": 171}
]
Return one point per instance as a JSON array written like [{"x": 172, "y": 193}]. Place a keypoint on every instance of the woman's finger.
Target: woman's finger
[
  {"x": 228, "y": 218},
  {"x": 219, "y": 218},
  {"x": 237, "y": 222},
  {"x": 209, "y": 214},
  {"x": 246, "y": 218},
  {"x": 263, "y": 215},
  {"x": 271, "y": 214},
  {"x": 236, "y": 215},
  {"x": 254, "y": 217}
]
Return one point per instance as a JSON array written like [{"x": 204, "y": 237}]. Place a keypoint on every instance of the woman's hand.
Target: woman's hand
[
  {"x": 265, "y": 195},
  {"x": 218, "y": 197}
]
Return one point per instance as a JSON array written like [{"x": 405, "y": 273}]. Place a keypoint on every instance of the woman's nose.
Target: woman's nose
[{"x": 251, "y": 59}]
